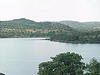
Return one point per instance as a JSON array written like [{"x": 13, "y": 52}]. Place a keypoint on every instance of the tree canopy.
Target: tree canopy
[
  {"x": 63, "y": 64},
  {"x": 69, "y": 64},
  {"x": 2, "y": 74},
  {"x": 93, "y": 67}
]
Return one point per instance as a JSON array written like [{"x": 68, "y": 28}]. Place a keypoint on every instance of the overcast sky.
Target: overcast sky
[{"x": 50, "y": 10}]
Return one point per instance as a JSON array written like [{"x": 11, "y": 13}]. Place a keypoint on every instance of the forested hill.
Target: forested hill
[
  {"x": 69, "y": 31},
  {"x": 29, "y": 24},
  {"x": 83, "y": 26},
  {"x": 28, "y": 28}
]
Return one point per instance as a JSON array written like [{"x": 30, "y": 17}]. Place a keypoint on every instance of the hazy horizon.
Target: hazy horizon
[
  {"x": 50, "y": 10},
  {"x": 48, "y": 20}
]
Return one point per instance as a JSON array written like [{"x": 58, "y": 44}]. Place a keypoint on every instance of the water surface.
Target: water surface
[{"x": 22, "y": 56}]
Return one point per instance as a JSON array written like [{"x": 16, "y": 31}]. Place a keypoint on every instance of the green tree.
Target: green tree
[
  {"x": 2, "y": 74},
  {"x": 93, "y": 67},
  {"x": 63, "y": 64}
]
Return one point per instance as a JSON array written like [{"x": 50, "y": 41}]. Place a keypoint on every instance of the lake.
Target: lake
[{"x": 21, "y": 56}]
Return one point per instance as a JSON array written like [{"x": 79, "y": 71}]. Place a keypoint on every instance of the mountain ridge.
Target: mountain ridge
[{"x": 91, "y": 25}]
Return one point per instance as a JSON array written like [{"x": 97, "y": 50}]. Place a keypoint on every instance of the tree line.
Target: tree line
[{"x": 77, "y": 37}]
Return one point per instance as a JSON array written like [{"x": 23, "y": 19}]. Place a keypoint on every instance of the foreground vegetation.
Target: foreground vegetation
[
  {"x": 2, "y": 74},
  {"x": 69, "y": 64}
]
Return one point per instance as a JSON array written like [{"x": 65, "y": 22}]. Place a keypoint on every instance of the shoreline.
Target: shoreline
[{"x": 48, "y": 38}]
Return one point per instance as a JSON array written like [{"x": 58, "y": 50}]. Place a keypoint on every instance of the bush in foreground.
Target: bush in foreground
[
  {"x": 69, "y": 64},
  {"x": 63, "y": 64},
  {"x": 2, "y": 74}
]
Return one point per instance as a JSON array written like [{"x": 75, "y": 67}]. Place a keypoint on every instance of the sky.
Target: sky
[{"x": 50, "y": 10}]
